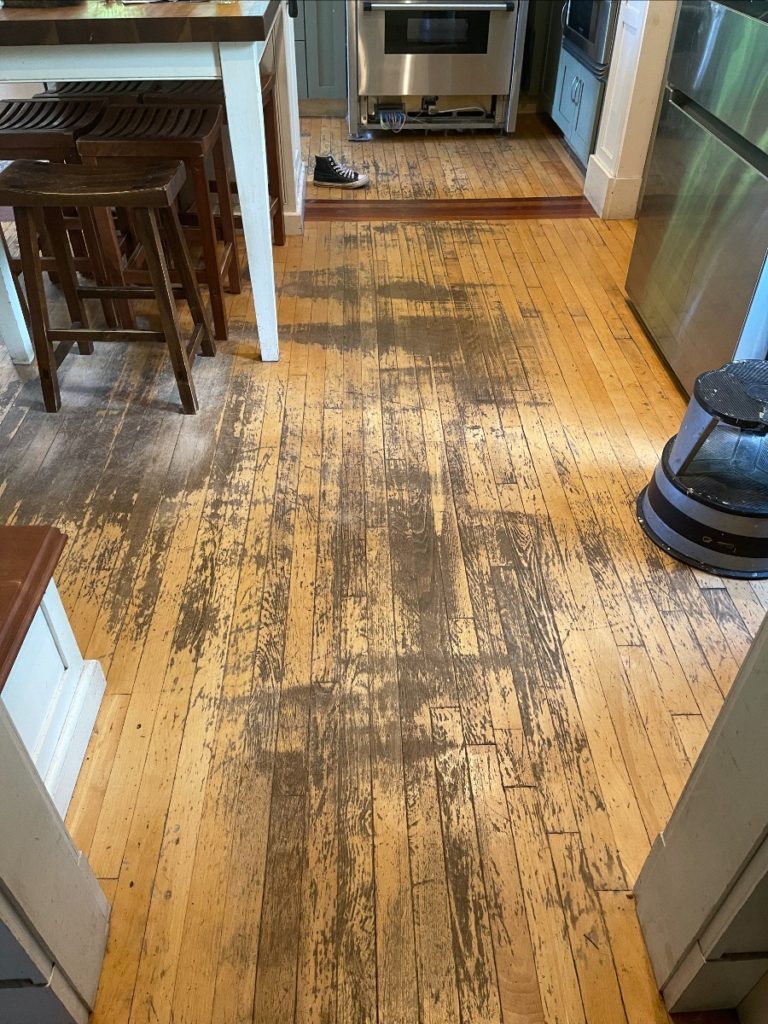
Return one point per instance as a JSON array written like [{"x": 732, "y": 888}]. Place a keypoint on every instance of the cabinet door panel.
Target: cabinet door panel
[
  {"x": 326, "y": 42},
  {"x": 301, "y": 67},
  {"x": 564, "y": 109},
  {"x": 585, "y": 121}
]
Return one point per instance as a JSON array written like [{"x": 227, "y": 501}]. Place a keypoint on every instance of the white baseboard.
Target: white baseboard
[
  {"x": 294, "y": 218},
  {"x": 72, "y": 744},
  {"x": 612, "y": 198}
]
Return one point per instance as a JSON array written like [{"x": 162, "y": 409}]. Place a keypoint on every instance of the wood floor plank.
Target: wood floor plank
[
  {"x": 470, "y": 926},
  {"x": 693, "y": 732},
  {"x": 519, "y": 996},
  {"x": 589, "y": 942},
  {"x": 632, "y": 732},
  {"x": 276, "y": 979},
  {"x": 395, "y": 944},
  {"x": 83, "y": 811},
  {"x": 630, "y": 779},
  {"x": 542, "y": 649},
  {"x": 558, "y": 982},
  {"x": 642, "y": 1001}
]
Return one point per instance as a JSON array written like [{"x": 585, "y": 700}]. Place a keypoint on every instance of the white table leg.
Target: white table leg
[
  {"x": 13, "y": 327},
  {"x": 242, "y": 91}
]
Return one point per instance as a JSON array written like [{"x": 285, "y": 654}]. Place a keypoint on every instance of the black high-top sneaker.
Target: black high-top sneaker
[{"x": 331, "y": 174}]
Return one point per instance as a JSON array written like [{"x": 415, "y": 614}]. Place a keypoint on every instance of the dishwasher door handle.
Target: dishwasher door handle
[{"x": 382, "y": 5}]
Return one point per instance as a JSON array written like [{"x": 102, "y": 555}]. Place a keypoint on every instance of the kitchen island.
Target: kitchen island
[{"x": 107, "y": 40}]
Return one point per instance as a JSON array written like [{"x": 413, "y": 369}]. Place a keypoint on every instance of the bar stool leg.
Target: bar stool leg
[
  {"x": 31, "y": 268},
  {"x": 174, "y": 238},
  {"x": 226, "y": 214},
  {"x": 57, "y": 236},
  {"x": 208, "y": 240},
  {"x": 96, "y": 259},
  {"x": 149, "y": 235},
  {"x": 273, "y": 167},
  {"x": 113, "y": 261}
]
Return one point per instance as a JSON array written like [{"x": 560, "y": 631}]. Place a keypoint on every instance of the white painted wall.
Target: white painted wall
[{"x": 615, "y": 170}]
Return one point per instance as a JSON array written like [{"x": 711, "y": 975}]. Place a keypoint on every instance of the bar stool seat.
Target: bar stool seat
[
  {"x": 40, "y": 191},
  {"x": 41, "y": 185},
  {"x": 211, "y": 93},
  {"x": 191, "y": 134},
  {"x": 38, "y": 129}
]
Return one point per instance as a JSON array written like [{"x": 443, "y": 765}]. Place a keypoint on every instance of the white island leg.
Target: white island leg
[
  {"x": 13, "y": 328},
  {"x": 242, "y": 91}
]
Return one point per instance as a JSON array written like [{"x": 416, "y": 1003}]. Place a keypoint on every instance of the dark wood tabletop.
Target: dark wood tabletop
[
  {"x": 111, "y": 21},
  {"x": 28, "y": 557}
]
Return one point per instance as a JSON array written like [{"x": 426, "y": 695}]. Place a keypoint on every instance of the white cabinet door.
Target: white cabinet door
[
  {"x": 53, "y": 915},
  {"x": 702, "y": 895}
]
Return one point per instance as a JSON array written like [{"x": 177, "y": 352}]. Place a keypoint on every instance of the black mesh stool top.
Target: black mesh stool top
[{"x": 737, "y": 394}]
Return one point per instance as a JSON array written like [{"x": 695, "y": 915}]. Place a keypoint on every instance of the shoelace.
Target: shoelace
[{"x": 346, "y": 172}]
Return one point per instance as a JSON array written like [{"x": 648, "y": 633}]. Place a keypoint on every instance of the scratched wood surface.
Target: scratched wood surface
[
  {"x": 483, "y": 165},
  {"x": 398, "y": 693}
]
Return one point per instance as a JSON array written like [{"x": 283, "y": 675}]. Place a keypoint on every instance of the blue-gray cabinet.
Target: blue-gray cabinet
[
  {"x": 299, "y": 32},
  {"x": 321, "y": 49},
  {"x": 577, "y": 103}
]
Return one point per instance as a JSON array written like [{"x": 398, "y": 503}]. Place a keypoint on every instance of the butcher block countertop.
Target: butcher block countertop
[
  {"x": 111, "y": 21},
  {"x": 28, "y": 557}
]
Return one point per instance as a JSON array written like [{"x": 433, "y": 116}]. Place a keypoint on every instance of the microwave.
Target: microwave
[{"x": 588, "y": 31}]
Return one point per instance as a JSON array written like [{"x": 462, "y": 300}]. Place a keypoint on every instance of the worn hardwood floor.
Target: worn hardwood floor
[
  {"x": 398, "y": 692},
  {"x": 532, "y": 162}
]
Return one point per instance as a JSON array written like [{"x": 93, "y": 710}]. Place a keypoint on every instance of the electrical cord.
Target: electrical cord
[
  {"x": 395, "y": 120},
  {"x": 392, "y": 120}
]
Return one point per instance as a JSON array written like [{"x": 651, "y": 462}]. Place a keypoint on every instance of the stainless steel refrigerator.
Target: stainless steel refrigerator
[{"x": 702, "y": 235}]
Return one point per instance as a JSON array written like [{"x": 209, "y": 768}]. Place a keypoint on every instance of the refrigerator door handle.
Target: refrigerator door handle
[{"x": 735, "y": 142}]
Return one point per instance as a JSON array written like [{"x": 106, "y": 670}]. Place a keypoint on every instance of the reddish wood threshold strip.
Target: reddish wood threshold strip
[
  {"x": 448, "y": 209},
  {"x": 529, "y": 208}
]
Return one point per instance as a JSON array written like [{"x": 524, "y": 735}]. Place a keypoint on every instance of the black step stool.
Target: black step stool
[{"x": 707, "y": 503}]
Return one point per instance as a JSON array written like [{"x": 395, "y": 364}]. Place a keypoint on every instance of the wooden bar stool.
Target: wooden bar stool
[
  {"x": 210, "y": 93},
  {"x": 39, "y": 129},
  {"x": 40, "y": 188},
  {"x": 191, "y": 134}
]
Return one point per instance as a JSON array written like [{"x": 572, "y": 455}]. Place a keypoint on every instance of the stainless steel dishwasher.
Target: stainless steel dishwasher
[{"x": 703, "y": 225}]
